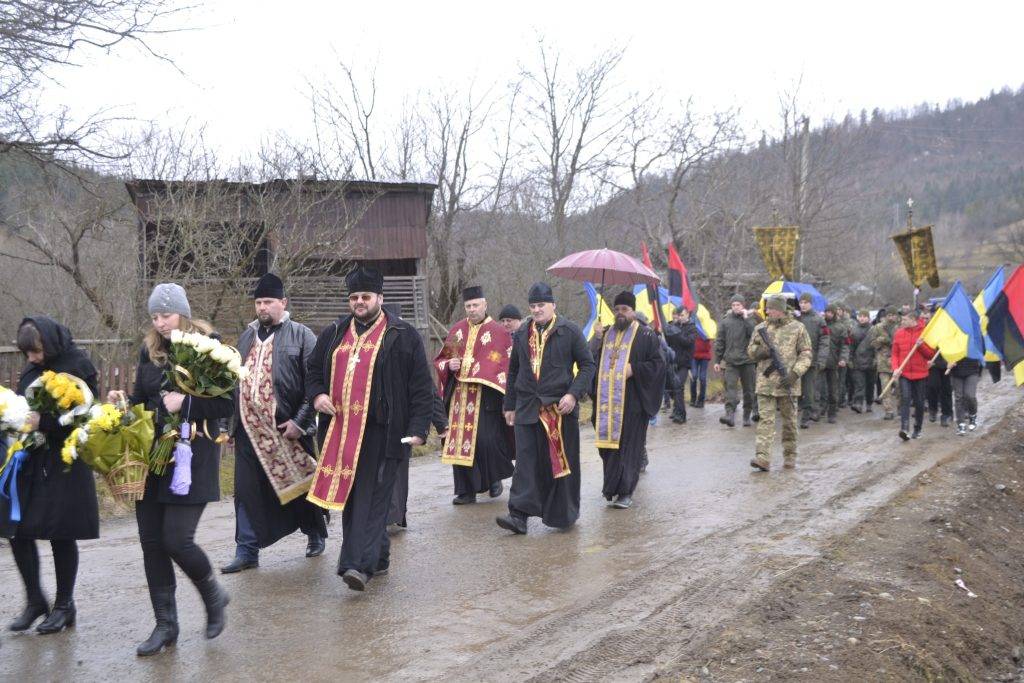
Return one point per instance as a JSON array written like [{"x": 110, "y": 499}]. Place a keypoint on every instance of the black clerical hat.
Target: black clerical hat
[
  {"x": 625, "y": 298},
  {"x": 510, "y": 311},
  {"x": 269, "y": 287},
  {"x": 540, "y": 293},
  {"x": 474, "y": 292},
  {"x": 364, "y": 279}
]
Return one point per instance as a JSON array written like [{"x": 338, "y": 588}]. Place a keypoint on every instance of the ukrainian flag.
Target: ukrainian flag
[
  {"x": 982, "y": 303},
  {"x": 706, "y": 325},
  {"x": 707, "y": 328},
  {"x": 955, "y": 328}
]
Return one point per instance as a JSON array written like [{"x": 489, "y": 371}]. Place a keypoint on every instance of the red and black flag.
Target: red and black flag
[
  {"x": 679, "y": 280},
  {"x": 1006, "y": 323},
  {"x": 652, "y": 290}
]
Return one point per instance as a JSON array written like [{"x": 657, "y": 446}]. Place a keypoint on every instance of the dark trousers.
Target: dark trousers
[
  {"x": 966, "y": 391},
  {"x": 365, "y": 546},
  {"x": 808, "y": 391},
  {"x": 912, "y": 391},
  {"x": 940, "y": 392},
  {"x": 830, "y": 393},
  {"x": 679, "y": 399},
  {"x": 698, "y": 379},
  {"x": 65, "y": 564},
  {"x": 167, "y": 534},
  {"x": 746, "y": 377},
  {"x": 863, "y": 386}
]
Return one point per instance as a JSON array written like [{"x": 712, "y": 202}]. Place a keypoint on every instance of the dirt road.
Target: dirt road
[{"x": 625, "y": 594}]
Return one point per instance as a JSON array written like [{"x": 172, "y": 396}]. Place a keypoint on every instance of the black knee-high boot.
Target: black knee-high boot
[
  {"x": 165, "y": 633},
  {"x": 27, "y": 558},
  {"x": 65, "y": 563}
]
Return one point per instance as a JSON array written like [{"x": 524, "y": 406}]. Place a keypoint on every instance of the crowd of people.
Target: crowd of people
[{"x": 327, "y": 422}]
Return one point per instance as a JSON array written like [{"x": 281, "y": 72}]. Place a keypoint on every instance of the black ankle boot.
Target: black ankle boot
[
  {"x": 165, "y": 633},
  {"x": 62, "y": 616},
  {"x": 28, "y": 616},
  {"x": 216, "y": 599}
]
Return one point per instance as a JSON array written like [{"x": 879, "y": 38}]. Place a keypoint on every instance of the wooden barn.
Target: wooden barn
[{"x": 217, "y": 237}]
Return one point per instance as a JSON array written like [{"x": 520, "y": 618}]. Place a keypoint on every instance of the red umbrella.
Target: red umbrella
[{"x": 605, "y": 266}]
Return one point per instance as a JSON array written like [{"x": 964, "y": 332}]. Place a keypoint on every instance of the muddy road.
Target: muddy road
[{"x": 622, "y": 594}]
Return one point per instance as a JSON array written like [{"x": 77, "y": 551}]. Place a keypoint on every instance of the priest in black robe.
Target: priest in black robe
[
  {"x": 273, "y": 432},
  {"x": 369, "y": 379},
  {"x": 541, "y": 401},
  {"x": 627, "y": 393}
]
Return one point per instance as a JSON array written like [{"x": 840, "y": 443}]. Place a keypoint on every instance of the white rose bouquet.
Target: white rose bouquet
[{"x": 202, "y": 366}]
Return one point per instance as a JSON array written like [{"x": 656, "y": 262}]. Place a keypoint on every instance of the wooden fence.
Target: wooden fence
[{"x": 115, "y": 361}]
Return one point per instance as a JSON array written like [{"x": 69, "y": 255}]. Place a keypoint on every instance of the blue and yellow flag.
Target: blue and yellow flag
[
  {"x": 982, "y": 303},
  {"x": 707, "y": 328},
  {"x": 955, "y": 328}
]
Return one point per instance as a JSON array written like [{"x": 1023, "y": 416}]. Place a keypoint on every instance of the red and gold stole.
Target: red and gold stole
[
  {"x": 351, "y": 380},
  {"x": 550, "y": 418},
  {"x": 610, "y": 402},
  {"x": 484, "y": 349}
]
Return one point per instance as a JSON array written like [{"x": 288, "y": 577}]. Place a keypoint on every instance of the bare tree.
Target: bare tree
[
  {"x": 35, "y": 37},
  {"x": 577, "y": 121}
]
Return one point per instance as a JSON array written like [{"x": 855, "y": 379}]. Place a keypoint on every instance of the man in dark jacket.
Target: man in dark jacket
[
  {"x": 541, "y": 402},
  {"x": 820, "y": 348},
  {"x": 681, "y": 336},
  {"x": 862, "y": 363},
  {"x": 731, "y": 358},
  {"x": 369, "y": 375},
  {"x": 273, "y": 432}
]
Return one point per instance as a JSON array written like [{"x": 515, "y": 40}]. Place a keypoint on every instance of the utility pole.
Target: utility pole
[{"x": 805, "y": 162}]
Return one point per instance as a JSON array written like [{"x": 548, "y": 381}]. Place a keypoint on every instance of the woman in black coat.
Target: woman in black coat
[
  {"x": 58, "y": 503},
  {"x": 167, "y": 521}
]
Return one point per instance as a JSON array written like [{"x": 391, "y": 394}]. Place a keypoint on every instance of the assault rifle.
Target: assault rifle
[{"x": 775, "y": 362}]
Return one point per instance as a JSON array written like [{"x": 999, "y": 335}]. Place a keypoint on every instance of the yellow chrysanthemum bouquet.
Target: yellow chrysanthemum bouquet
[
  {"x": 115, "y": 441},
  {"x": 58, "y": 393}
]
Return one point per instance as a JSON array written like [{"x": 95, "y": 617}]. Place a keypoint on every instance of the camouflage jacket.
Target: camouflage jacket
[
  {"x": 817, "y": 332},
  {"x": 838, "y": 343},
  {"x": 881, "y": 341},
  {"x": 791, "y": 340}
]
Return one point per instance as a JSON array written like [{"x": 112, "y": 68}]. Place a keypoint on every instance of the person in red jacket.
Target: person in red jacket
[
  {"x": 702, "y": 349},
  {"x": 914, "y": 375}
]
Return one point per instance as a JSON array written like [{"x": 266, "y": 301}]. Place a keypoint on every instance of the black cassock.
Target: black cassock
[
  {"x": 534, "y": 491},
  {"x": 400, "y": 495},
  {"x": 269, "y": 519},
  {"x": 492, "y": 460},
  {"x": 644, "y": 391}
]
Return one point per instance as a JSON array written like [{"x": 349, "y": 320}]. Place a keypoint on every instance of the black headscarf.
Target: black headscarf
[
  {"x": 57, "y": 339},
  {"x": 60, "y": 354}
]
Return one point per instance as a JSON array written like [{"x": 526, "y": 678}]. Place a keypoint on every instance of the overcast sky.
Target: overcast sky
[{"x": 245, "y": 65}]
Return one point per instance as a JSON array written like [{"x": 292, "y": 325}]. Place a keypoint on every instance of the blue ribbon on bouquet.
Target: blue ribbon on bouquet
[{"x": 9, "y": 482}]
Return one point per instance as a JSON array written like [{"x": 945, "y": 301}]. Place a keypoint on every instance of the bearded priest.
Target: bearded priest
[
  {"x": 370, "y": 381},
  {"x": 628, "y": 389}
]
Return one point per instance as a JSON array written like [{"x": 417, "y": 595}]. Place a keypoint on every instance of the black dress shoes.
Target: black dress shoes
[
  {"x": 496, "y": 489},
  {"x": 464, "y": 500},
  {"x": 516, "y": 525},
  {"x": 240, "y": 564},
  {"x": 316, "y": 546},
  {"x": 356, "y": 580}
]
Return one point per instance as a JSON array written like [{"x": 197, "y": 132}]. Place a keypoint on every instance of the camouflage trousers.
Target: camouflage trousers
[
  {"x": 891, "y": 400},
  {"x": 787, "y": 409}
]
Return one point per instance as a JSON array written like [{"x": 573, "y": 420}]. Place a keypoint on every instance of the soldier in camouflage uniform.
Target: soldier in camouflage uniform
[
  {"x": 845, "y": 374},
  {"x": 837, "y": 359},
  {"x": 817, "y": 332},
  {"x": 793, "y": 345},
  {"x": 881, "y": 341}
]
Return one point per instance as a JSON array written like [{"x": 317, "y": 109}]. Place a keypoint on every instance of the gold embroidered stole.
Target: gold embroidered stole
[
  {"x": 550, "y": 419},
  {"x": 289, "y": 468},
  {"x": 351, "y": 381},
  {"x": 611, "y": 385}
]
